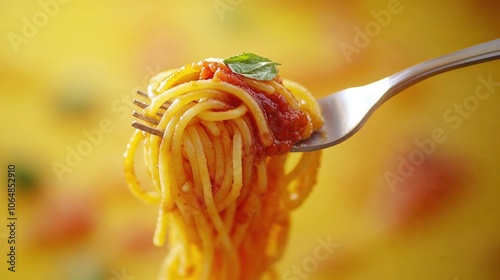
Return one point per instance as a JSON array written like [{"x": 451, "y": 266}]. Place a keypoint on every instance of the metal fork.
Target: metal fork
[
  {"x": 149, "y": 120},
  {"x": 346, "y": 111}
]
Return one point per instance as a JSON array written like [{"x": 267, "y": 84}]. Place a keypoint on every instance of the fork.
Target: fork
[{"x": 346, "y": 111}]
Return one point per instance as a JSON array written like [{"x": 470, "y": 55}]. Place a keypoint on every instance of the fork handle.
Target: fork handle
[{"x": 465, "y": 57}]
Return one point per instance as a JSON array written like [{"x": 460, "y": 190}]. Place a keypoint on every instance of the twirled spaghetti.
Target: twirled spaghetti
[{"x": 218, "y": 172}]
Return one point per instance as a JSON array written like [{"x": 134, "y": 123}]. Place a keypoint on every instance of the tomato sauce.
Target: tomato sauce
[{"x": 287, "y": 124}]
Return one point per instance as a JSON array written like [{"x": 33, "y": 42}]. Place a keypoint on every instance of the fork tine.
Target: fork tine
[
  {"x": 140, "y": 104},
  {"x": 145, "y": 118},
  {"x": 143, "y": 105},
  {"x": 141, "y": 93},
  {"x": 147, "y": 129}
]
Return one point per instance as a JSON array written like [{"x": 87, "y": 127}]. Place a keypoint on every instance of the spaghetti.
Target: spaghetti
[{"x": 219, "y": 172}]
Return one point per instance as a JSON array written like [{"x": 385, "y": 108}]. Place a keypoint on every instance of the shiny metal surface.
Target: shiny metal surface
[{"x": 346, "y": 111}]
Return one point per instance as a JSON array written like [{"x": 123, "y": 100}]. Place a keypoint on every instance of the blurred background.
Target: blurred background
[{"x": 413, "y": 195}]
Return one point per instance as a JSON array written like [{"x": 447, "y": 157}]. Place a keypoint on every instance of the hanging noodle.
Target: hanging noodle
[{"x": 218, "y": 173}]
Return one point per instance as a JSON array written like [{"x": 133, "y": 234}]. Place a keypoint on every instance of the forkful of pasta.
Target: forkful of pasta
[
  {"x": 216, "y": 136},
  {"x": 346, "y": 111}
]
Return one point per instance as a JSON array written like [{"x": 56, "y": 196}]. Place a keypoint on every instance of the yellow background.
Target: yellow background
[{"x": 68, "y": 71}]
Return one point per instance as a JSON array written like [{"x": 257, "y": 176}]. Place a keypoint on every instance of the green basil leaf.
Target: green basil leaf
[{"x": 253, "y": 66}]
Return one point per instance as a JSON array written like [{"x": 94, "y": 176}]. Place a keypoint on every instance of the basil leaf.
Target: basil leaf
[{"x": 253, "y": 66}]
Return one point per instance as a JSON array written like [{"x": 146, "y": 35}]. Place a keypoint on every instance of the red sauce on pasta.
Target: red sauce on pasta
[{"x": 286, "y": 123}]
